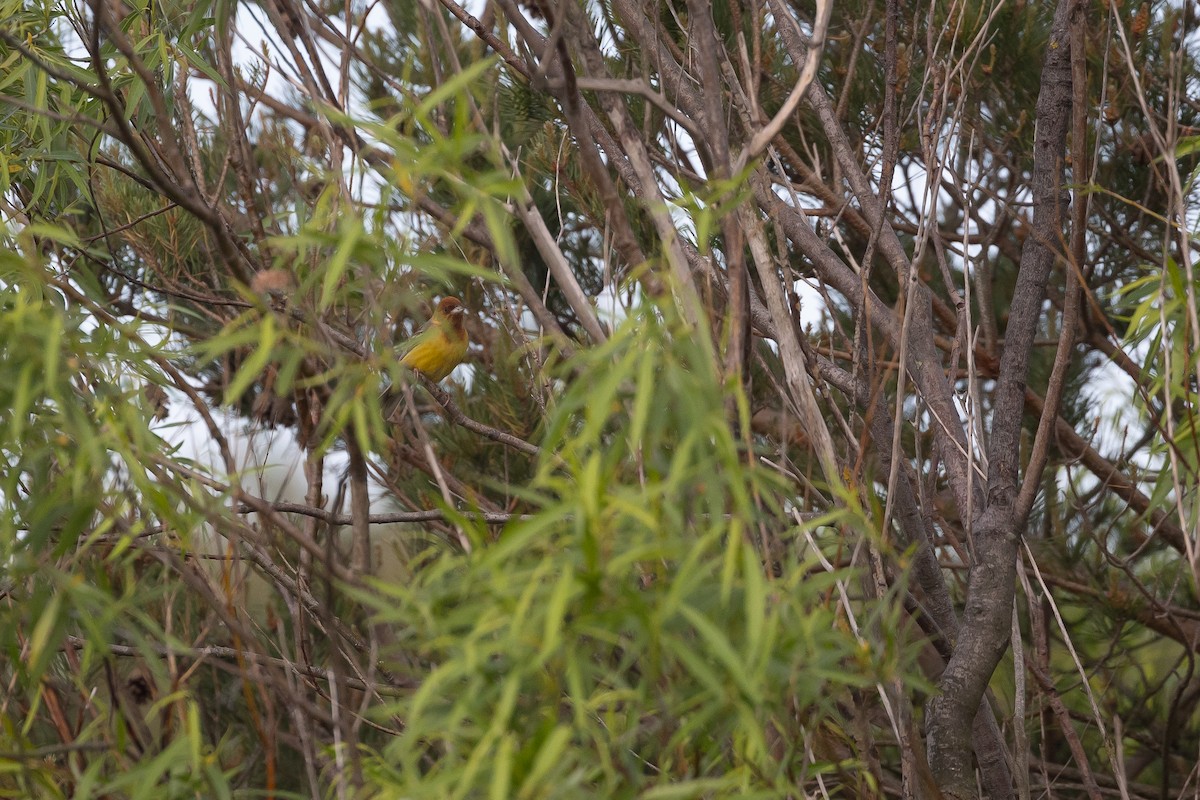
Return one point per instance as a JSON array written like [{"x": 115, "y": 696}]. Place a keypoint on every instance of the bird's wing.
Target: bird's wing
[{"x": 428, "y": 330}]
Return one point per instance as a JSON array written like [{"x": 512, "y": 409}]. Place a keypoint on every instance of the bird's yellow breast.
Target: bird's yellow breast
[{"x": 437, "y": 354}]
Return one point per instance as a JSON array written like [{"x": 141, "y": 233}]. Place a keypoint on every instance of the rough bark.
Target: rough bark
[{"x": 984, "y": 635}]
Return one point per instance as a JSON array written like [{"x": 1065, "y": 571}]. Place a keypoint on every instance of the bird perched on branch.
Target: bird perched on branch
[{"x": 442, "y": 344}]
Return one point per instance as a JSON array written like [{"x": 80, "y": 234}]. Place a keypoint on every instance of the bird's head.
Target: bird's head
[{"x": 452, "y": 309}]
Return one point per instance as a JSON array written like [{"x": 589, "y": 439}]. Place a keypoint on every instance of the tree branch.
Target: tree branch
[{"x": 984, "y": 636}]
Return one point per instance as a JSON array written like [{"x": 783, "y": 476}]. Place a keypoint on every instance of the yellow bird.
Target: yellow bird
[{"x": 442, "y": 344}]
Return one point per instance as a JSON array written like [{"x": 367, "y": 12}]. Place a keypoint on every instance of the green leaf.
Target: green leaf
[
  {"x": 254, "y": 365},
  {"x": 352, "y": 232}
]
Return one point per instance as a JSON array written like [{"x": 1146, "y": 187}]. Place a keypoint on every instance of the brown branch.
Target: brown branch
[
  {"x": 1114, "y": 480},
  {"x": 1069, "y": 322},
  {"x": 925, "y": 366},
  {"x": 985, "y": 634},
  {"x": 392, "y": 517},
  {"x": 487, "y": 37},
  {"x": 453, "y": 413},
  {"x": 391, "y": 689}
]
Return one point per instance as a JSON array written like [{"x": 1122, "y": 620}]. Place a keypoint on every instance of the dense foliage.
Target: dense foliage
[{"x": 829, "y": 425}]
